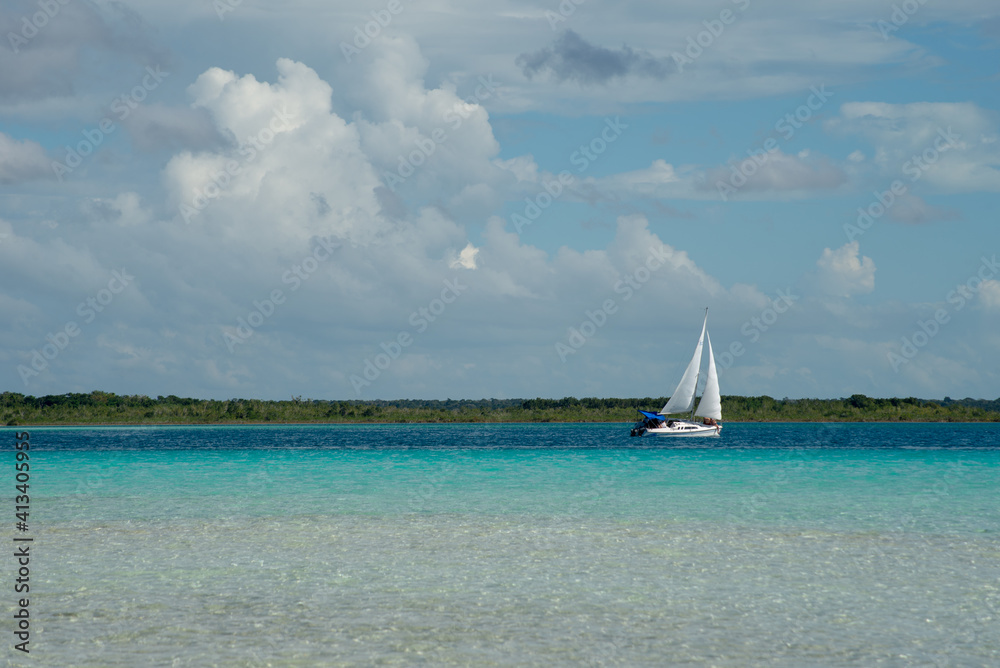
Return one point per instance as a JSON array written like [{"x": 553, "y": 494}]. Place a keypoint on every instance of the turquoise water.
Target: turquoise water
[{"x": 786, "y": 545}]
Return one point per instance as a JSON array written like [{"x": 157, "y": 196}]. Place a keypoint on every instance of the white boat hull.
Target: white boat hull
[{"x": 684, "y": 429}]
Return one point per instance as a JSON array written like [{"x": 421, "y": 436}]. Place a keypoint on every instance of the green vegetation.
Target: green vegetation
[{"x": 106, "y": 408}]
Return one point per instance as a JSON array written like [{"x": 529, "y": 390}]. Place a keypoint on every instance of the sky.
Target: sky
[{"x": 440, "y": 199}]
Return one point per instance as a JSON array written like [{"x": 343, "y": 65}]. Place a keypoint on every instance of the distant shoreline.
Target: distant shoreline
[
  {"x": 481, "y": 422},
  {"x": 106, "y": 409}
]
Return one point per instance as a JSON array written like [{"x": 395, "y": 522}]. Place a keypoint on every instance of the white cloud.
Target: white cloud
[
  {"x": 943, "y": 144},
  {"x": 913, "y": 209},
  {"x": 780, "y": 175},
  {"x": 322, "y": 178},
  {"x": 289, "y": 154},
  {"x": 780, "y": 172},
  {"x": 22, "y": 160},
  {"x": 660, "y": 179},
  {"x": 844, "y": 272},
  {"x": 989, "y": 294},
  {"x": 125, "y": 210},
  {"x": 423, "y": 141},
  {"x": 466, "y": 259}
]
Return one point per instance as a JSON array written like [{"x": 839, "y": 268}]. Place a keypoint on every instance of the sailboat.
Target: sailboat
[{"x": 682, "y": 401}]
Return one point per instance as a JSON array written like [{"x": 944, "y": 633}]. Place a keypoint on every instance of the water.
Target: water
[{"x": 778, "y": 544}]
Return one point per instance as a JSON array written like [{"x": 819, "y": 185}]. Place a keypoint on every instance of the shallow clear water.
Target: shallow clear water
[{"x": 513, "y": 545}]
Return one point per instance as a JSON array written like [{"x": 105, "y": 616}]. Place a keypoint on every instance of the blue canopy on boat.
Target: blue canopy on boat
[{"x": 651, "y": 416}]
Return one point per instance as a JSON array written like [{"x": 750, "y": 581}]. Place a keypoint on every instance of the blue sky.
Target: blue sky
[{"x": 222, "y": 199}]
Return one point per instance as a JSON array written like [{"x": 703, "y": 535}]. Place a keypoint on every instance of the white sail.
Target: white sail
[
  {"x": 710, "y": 405},
  {"x": 682, "y": 400}
]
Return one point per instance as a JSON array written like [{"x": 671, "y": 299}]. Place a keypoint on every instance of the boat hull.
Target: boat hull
[{"x": 683, "y": 429}]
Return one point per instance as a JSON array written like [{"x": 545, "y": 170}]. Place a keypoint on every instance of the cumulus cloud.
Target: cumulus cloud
[
  {"x": 286, "y": 152},
  {"x": 572, "y": 58},
  {"x": 844, "y": 272},
  {"x": 431, "y": 146}
]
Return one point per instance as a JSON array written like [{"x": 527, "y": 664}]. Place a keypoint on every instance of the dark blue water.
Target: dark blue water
[{"x": 578, "y": 435}]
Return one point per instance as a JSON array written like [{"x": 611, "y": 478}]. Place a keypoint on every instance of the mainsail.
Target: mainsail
[
  {"x": 682, "y": 400},
  {"x": 710, "y": 405}
]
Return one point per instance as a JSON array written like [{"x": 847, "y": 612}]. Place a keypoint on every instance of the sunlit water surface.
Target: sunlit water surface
[{"x": 784, "y": 545}]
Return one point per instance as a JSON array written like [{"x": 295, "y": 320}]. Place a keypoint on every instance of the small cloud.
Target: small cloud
[
  {"x": 466, "y": 259},
  {"x": 22, "y": 160},
  {"x": 780, "y": 171},
  {"x": 856, "y": 156},
  {"x": 844, "y": 272},
  {"x": 914, "y": 210},
  {"x": 573, "y": 58},
  {"x": 989, "y": 294},
  {"x": 523, "y": 167},
  {"x": 125, "y": 210}
]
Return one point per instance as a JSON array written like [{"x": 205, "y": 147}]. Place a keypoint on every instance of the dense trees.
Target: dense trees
[{"x": 106, "y": 408}]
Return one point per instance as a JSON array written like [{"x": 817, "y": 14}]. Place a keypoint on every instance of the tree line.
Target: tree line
[{"x": 108, "y": 408}]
